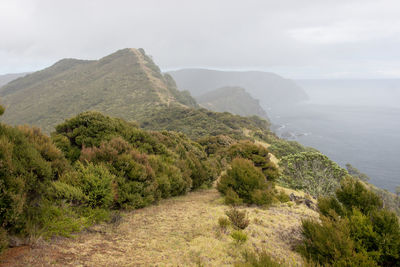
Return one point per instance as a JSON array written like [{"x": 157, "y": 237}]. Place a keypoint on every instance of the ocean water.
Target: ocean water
[{"x": 364, "y": 133}]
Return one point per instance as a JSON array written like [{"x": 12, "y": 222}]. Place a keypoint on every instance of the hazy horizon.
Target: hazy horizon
[{"x": 295, "y": 39}]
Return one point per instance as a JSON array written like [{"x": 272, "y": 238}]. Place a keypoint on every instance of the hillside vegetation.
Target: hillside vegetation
[
  {"x": 126, "y": 84},
  {"x": 145, "y": 192},
  {"x": 234, "y": 100}
]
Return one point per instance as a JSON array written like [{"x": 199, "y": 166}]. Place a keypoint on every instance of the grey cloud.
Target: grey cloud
[{"x": 296, "y": 38}]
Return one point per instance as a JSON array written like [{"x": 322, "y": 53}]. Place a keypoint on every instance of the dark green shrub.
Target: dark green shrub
[
  {"x": 95, "y": 182},
  {"x": 243, "y": 178},
  {"x": 327, "y": 205},
  {"x": 353, "y": 194},
  {"x": 355, "y": 230},
  {"x": 238, "y": 218},
  {"x": 231, "y": 198},
  {"x": 3, "y": 239},
  {"x": 28, "y": 164},
  {"x": 386, "y": 226},
  {"x": 258, "y": 154},
  {"x": 69, "y": 193},
  {"x": 327, "y": 242},
  {"x": 171, "y": 181},
  {"x": 262, "y": 197}
]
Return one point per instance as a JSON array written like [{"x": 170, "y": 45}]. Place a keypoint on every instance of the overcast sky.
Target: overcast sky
[{"x": 294, "y": 38}]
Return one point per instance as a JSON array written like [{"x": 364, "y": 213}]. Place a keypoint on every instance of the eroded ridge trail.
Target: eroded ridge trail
[{"x": 181, "y": 231}]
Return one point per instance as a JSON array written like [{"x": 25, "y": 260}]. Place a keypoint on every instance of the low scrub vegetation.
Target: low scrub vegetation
[
  {"x": 311, "y": 172},
  {"x": 355, "y": 230},
  {"x": 109, "y": 164},
  {"x": 238, "y": 218}
]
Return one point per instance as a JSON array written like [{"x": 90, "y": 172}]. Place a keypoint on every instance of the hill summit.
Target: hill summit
[{"x": 126, "y": 84}]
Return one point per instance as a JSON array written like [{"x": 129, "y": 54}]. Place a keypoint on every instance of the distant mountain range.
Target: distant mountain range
[
  {"x": 231, "y": 99},
  {"x": 272, "y": 90},
  {"x": 125, "y": 84}
]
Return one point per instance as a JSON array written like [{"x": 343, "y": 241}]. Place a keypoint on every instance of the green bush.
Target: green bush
[
  {"x": 311, "y": 172},
  {"x": 3, "y": 239},
  {"x": 239, "y": 236},
  {"x": 223, "y": 223},
  {"x": 28, "y": 163},
  {"x": 262, "y": 197},
  {"x": 244, "y": 178},
  {"x": 232, "y": 198},
  {"x": 258, "y": 154},
  {"x": 262, "y": 259},
  {"x": 94, "y": 181},
  {"x": 238, "y": 218},
  {"x": 353, "y": 194},
  {"x": 283, "y": 197},
  {"x": 354, "y": 231}
]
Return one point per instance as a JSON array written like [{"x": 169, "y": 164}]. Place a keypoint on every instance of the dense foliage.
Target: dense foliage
[
  {"x": 354, "y": 230},
  {"x": 312, "y": 172},
  {"x": 198, "y": 123},
  {"x": 126, "y": 84},
  {"x": 108, "y": 164},
  {"x": 246, "y": 183}
]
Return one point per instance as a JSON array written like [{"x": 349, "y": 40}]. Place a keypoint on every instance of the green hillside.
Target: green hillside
[
  {"x": 231, "y": 99},
  {"x": 126, "y": 84}
]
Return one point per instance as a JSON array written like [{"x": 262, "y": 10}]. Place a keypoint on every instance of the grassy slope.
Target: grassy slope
[
  {"x": 124, "y": 84},
  {"x": 182, "y": 231}
]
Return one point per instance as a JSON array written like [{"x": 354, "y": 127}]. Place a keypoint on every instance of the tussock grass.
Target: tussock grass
[{"x": 181, "y": 231}]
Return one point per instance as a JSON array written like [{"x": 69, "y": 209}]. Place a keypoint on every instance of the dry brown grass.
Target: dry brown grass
[{"x": 181, "y": 231}]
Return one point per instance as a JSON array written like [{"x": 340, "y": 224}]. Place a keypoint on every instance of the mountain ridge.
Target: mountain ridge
[{"x": 126, "y": 84}]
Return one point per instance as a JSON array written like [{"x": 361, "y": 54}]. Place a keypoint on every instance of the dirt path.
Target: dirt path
[{"x": 181, "y": 231}]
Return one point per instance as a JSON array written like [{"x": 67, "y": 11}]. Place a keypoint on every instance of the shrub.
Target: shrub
[
  {"x": 69, "y": 193},
  {"x": 262, "y": 259},
  {"x": 28, "y": 163},
  {"x": 283, "y": 197},
  {"x": 3, "y": 239},
  {"x": 238, "y": 218},
  {"x": 223, "y": 223},
  {"x": 94, "y": 181},
  {"x": 239, "y": 236},
  {"x": 311, "y": 172},
  {"x": 327, "y": 242},
  {"x": 258, "y": 154},
  {"x": 262, "y": 197},
  {"x": 243, "y": 178},
  {"x": 327, "y": 205},
  {"x": 353, "y": 194},
  {"x": 232, "y": 198},
  {"x": 354, "y": 231}
]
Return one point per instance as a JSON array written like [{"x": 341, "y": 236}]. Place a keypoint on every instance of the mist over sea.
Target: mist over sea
[{"x": 354, "y": 121}]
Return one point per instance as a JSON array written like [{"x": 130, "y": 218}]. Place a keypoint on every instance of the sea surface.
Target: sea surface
[{"x": 349, "y": 125}]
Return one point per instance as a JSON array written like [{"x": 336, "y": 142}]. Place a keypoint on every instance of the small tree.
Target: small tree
[{"x": 244, "y": 179}]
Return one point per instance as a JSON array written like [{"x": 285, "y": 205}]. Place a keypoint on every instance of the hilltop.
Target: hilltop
[
  {"x": 273, "y": 90},
  {"x": 231, "y": 99},
  {"x": 126, "y": 84}
]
